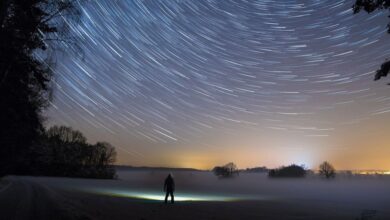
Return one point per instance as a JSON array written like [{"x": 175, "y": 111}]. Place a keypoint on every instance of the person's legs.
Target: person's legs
[
  {"x": 166, "y": 196},
  {"x": 172, "y": 197}
]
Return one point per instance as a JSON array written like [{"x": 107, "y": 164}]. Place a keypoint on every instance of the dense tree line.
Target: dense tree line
[
  {"x": 65, "y": 152},
  {"x": 30, "y": 33},
  {"x": 256, "y": 170}
]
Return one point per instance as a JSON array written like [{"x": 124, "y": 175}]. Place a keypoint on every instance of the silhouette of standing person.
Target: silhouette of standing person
[{"x": 169, "y": 188}]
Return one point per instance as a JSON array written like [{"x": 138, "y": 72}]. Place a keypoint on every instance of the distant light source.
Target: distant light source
[{"x": 372, "y": 172}]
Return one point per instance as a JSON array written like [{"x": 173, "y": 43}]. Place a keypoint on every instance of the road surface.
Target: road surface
[{"x": 25, "y": 199}]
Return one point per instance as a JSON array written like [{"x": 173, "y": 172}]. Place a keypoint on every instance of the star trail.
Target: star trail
[{"x": 194, "y": 83}]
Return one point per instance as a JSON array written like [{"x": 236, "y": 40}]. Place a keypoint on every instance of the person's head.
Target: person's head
[{"x": 170, "y": 175}]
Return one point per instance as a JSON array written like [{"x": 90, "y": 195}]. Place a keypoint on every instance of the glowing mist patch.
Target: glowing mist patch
[
  {"x": 181, "y": 197},
  {"x": 161, "y": 196}
]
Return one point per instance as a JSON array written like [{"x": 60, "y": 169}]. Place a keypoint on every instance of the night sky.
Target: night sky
[{"x": 196, "y": 83}]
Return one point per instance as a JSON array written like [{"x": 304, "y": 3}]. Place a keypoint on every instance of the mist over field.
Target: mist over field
[
  {"x": 200, "y": 195},
  {"x": 366, "y": 192},
  {"x": 352, "y": 193}
]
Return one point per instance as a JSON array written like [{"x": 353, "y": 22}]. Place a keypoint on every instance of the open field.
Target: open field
[{"x": 199, "y": 195}]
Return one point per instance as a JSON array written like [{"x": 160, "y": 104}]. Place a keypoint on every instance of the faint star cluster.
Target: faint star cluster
[{"x": 162, "y": 74}]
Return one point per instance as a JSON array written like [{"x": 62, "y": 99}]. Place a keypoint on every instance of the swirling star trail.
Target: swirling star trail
[{"x": 195, "y": 83}]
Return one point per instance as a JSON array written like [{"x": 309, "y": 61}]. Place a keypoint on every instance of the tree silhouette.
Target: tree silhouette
[
  {"x": 30, "y": 31},
  {"x": 327, "y": 170},
  {"x": 228, "y": 170},
  {"x": 66, "y": 134},
  {"x": 371, "y": 6},
  {"x": 65, "y": 152}
]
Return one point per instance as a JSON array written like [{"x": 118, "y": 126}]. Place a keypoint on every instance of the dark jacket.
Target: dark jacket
[{"x": 169, "y": 184}]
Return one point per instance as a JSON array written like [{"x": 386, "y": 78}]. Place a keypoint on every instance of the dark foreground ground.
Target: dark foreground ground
[{"x": 61, "y": 198}]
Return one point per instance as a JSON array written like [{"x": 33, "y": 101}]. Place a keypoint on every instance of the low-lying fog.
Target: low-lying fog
[{"x": 369, "y": 192}]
